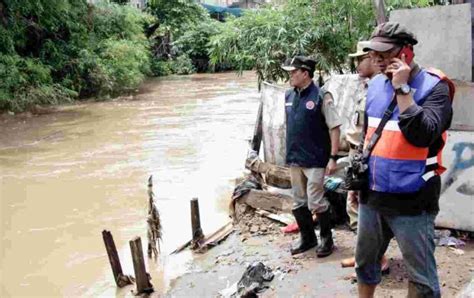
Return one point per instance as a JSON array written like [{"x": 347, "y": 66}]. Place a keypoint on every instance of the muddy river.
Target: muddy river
[{"x": 68, "y": 175}]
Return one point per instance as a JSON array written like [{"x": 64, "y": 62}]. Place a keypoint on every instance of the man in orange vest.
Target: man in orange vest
[{"x": 401, "y": 200}]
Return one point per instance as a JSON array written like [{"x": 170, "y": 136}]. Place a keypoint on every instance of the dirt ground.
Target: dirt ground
[{"x": 258, "y": 238}]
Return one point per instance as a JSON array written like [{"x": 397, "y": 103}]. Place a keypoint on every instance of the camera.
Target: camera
[{"x": 356, "y": 177}]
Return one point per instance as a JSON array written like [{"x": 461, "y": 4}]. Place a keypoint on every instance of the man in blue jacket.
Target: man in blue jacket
[
  {"x": 312, "y": 140},
  {"x": 404, "y": 167}
]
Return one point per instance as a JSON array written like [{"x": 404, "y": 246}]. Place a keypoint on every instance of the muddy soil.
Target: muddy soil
[{"x": 257, "y": 238}]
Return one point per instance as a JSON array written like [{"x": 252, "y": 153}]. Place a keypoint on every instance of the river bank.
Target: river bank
[{"x": 259, "y": 239}]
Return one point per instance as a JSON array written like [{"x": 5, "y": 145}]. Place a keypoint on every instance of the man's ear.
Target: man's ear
[{"x": 307, "y": 74}]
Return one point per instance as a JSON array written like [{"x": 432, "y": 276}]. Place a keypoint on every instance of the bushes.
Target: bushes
[
  {"x": 125, "y": 63},
  {"x": 26, "y": 82},
  {"x": 181, "y": 65},
  {"x": 326, "y": 30},
  {"x": 161, "y": 68},
  {"x": 54, "y": 51}
]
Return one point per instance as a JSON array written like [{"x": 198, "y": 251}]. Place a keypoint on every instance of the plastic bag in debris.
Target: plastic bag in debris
[
  {"x": 254, "y": 280},
  {"x": 333, "y": 183},
  {"x": 444, "y": 238},
  {"x": 250, "y": 182}
]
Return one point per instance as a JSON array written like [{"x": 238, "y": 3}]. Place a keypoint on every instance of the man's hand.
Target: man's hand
[
  {"x": 353, "y": 196},
  {"x": 400, "y": 71},
  {"x": 331, "y": 167}
]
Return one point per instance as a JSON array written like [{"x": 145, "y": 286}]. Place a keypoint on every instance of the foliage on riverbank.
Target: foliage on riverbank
[
  {"x": 324, "y": 30},
  {"x": 53, "y": 51}
]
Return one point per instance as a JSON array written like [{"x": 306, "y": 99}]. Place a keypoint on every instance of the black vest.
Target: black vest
[{"x": 308, "y": 143}]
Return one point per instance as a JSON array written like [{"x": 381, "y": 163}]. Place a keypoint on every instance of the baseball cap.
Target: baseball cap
[
  {"x": 299, "y": 62},
  {"x": 360, "y": 49},
  {"x": 388, "y": 35}
]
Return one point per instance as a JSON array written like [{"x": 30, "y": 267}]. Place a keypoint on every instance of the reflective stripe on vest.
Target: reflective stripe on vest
[{"x": 395, "y": 165}]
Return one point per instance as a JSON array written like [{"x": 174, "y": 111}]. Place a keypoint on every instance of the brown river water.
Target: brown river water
[{"x": 66, "y": 176}]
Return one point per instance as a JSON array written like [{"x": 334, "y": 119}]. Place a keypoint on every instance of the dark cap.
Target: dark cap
[
  {"x": 299, "y": 62},
  {"x": 388, "y": 35}
]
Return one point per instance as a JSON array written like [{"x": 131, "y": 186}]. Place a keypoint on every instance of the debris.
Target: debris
[
  {"x": 272, "y": 202},
  {"x": 280, "y": 275},
  {"x": 274, "y": 175},
  {"x": 229, "y": 291},
  {"x": 210, "y": 240},
  {"x": 254, "y": 280},
  {"x": 451, "y": 242},
  {"x": 334, "y": 184},
  {"x": 442, "y": 234},
  {"x": 282, "y": 218},
  {"x": 153, "y": 222},
  {"x": 217, "y": 237},
  {"x": 251, "y": 182},
  {"x": 181, "y": 247},
  {"x": 457, "y": 251}
]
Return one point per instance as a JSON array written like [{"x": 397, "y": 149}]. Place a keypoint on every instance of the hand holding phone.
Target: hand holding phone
[
  {"x": 406, "y": 56},
  {"x": 408, "y": 52}
]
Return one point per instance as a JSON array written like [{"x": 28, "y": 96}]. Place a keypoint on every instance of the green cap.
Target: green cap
[{"x": 388, "y": 35}]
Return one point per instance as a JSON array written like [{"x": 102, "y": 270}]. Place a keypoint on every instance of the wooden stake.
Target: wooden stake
[
  {"x": 258, "y": 131},
  {"x": 196, "y": 223},
  {"x": 142, "y": 277},
  {"x": 113, "y": 255}
]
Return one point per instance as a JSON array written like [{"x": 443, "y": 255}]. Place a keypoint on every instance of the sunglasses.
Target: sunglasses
[{"x": 385, "y": 55}]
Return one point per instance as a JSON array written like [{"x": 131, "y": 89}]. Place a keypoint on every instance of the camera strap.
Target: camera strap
[{"x": 378, "y": 131}]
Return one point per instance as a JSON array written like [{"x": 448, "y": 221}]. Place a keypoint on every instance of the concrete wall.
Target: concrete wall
[{"x": 445, "y": 37}]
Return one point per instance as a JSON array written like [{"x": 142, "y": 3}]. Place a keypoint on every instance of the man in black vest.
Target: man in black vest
[{"x": 312, "y": 140}]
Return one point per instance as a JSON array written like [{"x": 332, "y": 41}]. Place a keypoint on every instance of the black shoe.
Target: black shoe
[
  {"x": 308, "y": 238},
  {"x": 327, "y": 245}
]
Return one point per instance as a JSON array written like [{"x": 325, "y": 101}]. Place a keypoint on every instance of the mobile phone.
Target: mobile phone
[{"x": 409, "y": 55}]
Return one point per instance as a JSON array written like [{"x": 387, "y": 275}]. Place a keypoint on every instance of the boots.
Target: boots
[
  {"x": 307, "y": 236},
  {"x": 327, "y": 245}
]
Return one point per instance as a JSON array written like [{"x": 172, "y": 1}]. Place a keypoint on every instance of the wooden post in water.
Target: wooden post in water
[
  {"x": 113, "y": 256},
  {"x": 196, "y": 223},
  {"x": 141, "y": 276}
]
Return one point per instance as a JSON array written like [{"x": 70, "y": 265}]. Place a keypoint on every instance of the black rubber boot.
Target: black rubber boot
[
  {"x": 308, "y": 238},
  {"x": 327, "y": 245}
]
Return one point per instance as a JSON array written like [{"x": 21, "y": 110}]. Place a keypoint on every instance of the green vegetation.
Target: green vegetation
[
  {"x": 56, "y": 51},
  {"x": 183, "y": 36},
  {"x": 325, "y": 30},
  {"x": 53, "y": 51}
]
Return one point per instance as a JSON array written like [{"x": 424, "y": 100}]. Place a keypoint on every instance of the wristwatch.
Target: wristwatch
[
  {"x": 333, "y": 157},
  {"x": 404, "y": 89}
]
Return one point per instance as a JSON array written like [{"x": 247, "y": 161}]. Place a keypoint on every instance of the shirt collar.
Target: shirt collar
[
  {"x": 414, "y": 72},
  {"x": 305, "y": 90}
]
